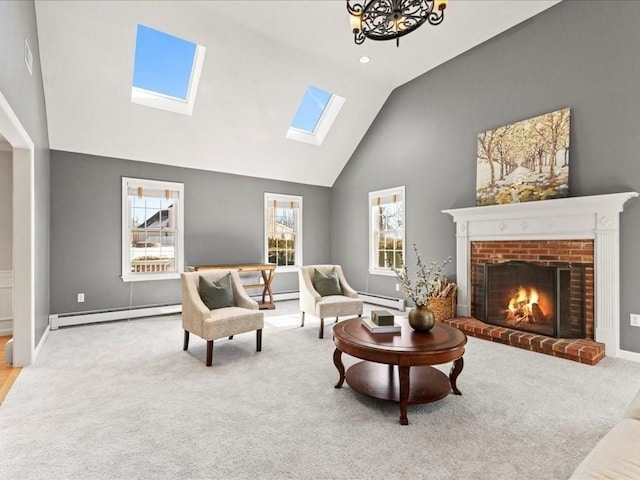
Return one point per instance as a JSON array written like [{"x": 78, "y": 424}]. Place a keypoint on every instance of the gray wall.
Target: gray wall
[
  {"x": 224, "y": 223},
  {"x": 25, "y": 94},
  {"x": 582, "y": 55},
  {"x": 6, "y": 211}
]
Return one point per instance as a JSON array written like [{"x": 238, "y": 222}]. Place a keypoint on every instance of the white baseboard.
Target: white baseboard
[
  {"x": 627, "y": 355},
  {"x": 41, "y": 343},
  {"x": 397, "y": 303},
  {"x": 66, "y": 320}
]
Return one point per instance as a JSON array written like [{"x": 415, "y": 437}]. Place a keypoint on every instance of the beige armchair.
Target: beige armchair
[
  {"x": 210, "y": 325},
  {"x": 347, "y": 303}
]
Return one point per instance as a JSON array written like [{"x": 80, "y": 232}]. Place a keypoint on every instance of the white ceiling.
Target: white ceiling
[{"x": 261, "y": 55}]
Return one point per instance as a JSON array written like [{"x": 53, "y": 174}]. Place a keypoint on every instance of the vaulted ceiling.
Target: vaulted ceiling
[{"x": 261, "y": 55}]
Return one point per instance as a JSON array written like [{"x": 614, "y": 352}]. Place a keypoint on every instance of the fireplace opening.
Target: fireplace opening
[{"x": 541, "y": 299}]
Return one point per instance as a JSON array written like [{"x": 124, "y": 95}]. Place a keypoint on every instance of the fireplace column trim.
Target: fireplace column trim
[{"x": 590, "y": 217}]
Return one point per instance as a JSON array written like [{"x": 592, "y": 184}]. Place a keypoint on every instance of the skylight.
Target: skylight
[
  {"x": 315, "y": 115},
  {"x": 166, "y": 71}
]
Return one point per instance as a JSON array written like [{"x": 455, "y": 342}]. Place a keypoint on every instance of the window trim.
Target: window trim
[
  {"x": 270, "y": 197},
  {"x": 126, "y": 274},
  {"x": 373, "y": 250}
]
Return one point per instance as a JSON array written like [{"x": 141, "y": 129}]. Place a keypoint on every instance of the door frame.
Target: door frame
[{"x": 23, "y": 234}]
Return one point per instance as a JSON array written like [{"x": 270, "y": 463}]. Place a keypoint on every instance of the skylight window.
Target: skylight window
[
  {"x": 315, "y": 115},
  {"x": 166, "y": 71}
]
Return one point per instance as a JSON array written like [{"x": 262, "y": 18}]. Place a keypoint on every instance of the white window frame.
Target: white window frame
[
  {"x": 269, "y": 198},
  {"x": 127, "y": 275},
  {"x": 374, "y": 269}
]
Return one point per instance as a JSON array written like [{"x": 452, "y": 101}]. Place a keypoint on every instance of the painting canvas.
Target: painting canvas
[{"x": 524, "y": 161}]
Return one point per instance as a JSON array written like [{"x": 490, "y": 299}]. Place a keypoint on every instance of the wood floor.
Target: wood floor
[{"x": 8, "y": 374}]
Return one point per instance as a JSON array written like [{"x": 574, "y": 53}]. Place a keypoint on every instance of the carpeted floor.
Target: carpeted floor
[{"x": 123, "y": 401}]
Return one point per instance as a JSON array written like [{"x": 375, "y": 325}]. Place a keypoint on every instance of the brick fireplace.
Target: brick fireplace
[
  {"x": 579, "y": 231},
  {"x": 564, "y": 254}
]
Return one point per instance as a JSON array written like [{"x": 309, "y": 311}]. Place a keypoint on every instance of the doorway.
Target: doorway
[{"x": 23, "y": 234}]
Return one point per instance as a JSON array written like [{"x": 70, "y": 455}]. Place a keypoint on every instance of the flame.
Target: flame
[
  {"x": 524, "y": 307},
  {"x": 524, "y": 300}
]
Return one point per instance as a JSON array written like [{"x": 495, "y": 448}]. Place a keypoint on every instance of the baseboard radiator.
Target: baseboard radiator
[
  {"x": 80, "y": 318},
  {"x": 392, "y": 302}
]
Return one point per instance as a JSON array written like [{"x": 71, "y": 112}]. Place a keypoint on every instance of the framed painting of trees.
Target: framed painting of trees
[{"x": 524, "y": 161}]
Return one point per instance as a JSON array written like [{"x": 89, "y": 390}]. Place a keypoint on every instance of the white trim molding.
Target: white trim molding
[
  {"x": 155, "y": 189},
  {"x": 23, "y": 234},
  {"x": 6, "y": 302},
  {"x": 388, "y": 196},
  {"x": 590, "y": 217}
]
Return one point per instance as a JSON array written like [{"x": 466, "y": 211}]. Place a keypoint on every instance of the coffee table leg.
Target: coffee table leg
[
  {"x": 404, "y": 394},
  {"x": 337, "y": 361},
  {"x": 453, "y": 375}
]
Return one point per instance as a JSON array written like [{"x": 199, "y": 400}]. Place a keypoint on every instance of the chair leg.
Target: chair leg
[
  {"x": 360, "y": 315},
  {"x": 230, "y": 337},
  {"x": 186, "y": 340},
  {"x": 209, "y": 352},
  {"x": 302, "y": 324},
  {"x": 321, "y": 334},
  {"x": 259, "y": 340},
  {"x": 337, "y": 319}
]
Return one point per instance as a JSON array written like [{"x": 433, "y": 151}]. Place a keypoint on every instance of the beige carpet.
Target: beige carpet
[{"x": 123, "y": 401}]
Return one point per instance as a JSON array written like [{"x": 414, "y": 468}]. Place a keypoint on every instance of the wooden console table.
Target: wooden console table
[{"x": 267, "y": 271}]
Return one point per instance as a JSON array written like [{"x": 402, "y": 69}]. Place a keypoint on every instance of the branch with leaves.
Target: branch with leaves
[{"x": 430, "y": 281}]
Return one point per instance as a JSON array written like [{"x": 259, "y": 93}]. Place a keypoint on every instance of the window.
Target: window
[
  {"x": 152, "y": 229},
  {"x": 283, "y": 230},
  {"x": 386, "y": 230},
  {"x": 166, "y": 71},
  {"x": 315, "y": 115}
]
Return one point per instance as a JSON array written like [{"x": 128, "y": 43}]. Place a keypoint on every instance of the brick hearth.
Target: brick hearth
[{"x": 578, "y": 350}]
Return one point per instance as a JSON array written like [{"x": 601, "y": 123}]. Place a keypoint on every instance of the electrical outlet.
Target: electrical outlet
[
  {"x": 635, "y": 320},
  {"x": 397, "y": 287},
  {"x": 80, "y": 297}
]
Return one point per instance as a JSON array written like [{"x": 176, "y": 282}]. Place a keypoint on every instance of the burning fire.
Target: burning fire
[{"x": 524, "y": 307}]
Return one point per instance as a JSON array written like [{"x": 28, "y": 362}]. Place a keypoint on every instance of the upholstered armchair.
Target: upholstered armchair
[
  {"x": 324, "y": 292},
  {"x": 240, "y": 314}
]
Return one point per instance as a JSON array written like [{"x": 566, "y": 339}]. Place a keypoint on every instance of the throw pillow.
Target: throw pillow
[
  {"x": 216, "y": 294},
  {"x": 326, "y": 284}
]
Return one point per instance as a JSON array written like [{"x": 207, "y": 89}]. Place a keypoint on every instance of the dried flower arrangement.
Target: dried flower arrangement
[{"x": 430, "y": 281}]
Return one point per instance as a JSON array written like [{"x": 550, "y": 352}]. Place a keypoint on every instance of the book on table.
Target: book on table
[
  {"x": 373, "y": 328},
  {"x": 382, "y": 318}
]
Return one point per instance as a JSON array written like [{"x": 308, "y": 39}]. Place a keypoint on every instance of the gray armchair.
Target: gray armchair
[
  {"x": 210, "y": 325},
  {"x": 346, "y": 302}
]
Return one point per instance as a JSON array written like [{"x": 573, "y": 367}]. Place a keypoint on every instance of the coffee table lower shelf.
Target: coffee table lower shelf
[{"x": 378, "y": 380}]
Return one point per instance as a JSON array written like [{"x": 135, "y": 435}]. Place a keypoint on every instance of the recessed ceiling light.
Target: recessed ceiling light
[{"x": 364, "y": 59}]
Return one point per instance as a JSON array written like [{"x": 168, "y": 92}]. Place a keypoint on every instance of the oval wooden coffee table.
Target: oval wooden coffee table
[{"x": 376, "y": 375}]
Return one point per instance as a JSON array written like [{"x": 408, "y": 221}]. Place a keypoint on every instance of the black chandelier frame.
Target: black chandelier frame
[{"x": 392, "y": 19}]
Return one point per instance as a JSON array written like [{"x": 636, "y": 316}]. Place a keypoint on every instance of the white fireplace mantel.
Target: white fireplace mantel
[{"x": 591, "y": 217}]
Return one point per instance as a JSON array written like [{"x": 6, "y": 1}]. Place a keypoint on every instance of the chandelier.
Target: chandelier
[{"x": 389, "y": 19}]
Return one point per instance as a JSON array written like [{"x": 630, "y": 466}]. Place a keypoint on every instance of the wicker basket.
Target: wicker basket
[{"x": 443, "y": 308}]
